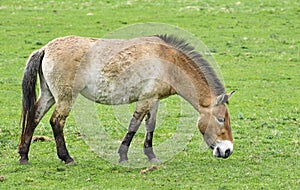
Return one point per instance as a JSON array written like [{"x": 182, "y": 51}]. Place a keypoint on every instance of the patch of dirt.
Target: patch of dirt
[
  {"x": 152, "y": 168},
  {"x": 41, "y": 138},
  {"x": 2, "y": 178}
]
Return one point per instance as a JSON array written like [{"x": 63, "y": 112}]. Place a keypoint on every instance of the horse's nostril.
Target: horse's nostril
[{"x": 227, "y": 153}]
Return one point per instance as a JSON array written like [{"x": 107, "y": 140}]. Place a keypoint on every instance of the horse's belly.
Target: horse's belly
[
  {"x": 125, "y": 91},
  {"x": 110, "y": 94}
]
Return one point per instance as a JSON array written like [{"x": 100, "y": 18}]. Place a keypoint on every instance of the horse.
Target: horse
[{"x": 122, "y": 71}]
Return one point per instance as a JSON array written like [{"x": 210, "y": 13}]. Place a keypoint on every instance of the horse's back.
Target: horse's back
[
  {"x": 64, "y": 55},
  {"x": 103, "y": 70}
]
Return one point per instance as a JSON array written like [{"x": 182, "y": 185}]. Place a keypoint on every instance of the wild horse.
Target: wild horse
[{"x": 113, "y": 71}]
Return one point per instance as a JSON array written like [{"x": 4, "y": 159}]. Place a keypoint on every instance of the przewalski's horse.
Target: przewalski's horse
[{"x": 108, "y": 71}]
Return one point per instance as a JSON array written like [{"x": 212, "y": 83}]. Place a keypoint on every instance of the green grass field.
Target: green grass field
[{"x": 257, "y": 46}]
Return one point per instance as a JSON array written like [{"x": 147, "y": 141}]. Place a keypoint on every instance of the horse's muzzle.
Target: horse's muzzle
[{"x": 223, "y": 149}]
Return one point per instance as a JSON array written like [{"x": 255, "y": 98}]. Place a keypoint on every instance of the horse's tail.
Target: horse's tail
[{"x": 28, "y": 86}]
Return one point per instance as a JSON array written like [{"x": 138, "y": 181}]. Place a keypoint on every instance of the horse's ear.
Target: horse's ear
[
  {"x": 220, "y": 99},
  {"x": 223, "y": 98},
  {"x": 230, "y": 94}
]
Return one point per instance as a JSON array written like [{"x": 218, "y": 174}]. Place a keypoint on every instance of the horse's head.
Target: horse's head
[{"x": 214, "y": 124}]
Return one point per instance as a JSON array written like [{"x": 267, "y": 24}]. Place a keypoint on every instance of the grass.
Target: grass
[{"x": 256, "y": 44}]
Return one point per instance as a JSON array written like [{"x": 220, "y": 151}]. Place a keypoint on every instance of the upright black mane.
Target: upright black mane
[{"x": 204, "y": 66}]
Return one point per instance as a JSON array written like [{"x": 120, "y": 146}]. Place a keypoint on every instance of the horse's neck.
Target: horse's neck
[
  {"x": 196, "y": 93},
  {"x": 190, "y": 84}
]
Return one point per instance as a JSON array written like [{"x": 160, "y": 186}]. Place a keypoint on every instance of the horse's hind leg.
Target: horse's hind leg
[
  {"x": 57, "y": 121},
  {"x": 150, "y": 127},
  {"x": 41, "y": 107}
]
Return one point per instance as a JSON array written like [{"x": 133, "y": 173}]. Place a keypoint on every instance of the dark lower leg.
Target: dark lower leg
[
  {"x": 148, "y": 150},
  {"x": 57, "y": 123},
  {"x": 123, "y": 150},
  {"x": 26, "y": 137},
  {"x": 150, "y": 126},
  {"x": 30, "y": 121},
  {"x": 24, "y": 147},
  {"x": 133, "y": 127},
  {"x": 61, "y": 148}
]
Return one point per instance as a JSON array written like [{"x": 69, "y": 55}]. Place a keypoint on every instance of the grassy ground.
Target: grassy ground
[{"x": 257, "y": 45}]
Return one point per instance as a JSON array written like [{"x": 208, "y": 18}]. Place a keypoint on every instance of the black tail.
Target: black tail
[{"x": 29, "y": 85}]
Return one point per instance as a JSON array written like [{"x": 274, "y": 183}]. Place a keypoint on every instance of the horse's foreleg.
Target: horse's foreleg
[
  {"x": 57, "y": 122},
  {"x": 133, "y": 127},
  {"x": 34, "y": 116},
  {"x": 150, "y": 127}
]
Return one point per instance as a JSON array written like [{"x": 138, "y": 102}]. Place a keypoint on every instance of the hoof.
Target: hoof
[
  {"x": 24, "y": 162},
  {"x": 155, "y": 160},
  {"x": 69, "y": 161},
  {"x": 123, "y": 161}
]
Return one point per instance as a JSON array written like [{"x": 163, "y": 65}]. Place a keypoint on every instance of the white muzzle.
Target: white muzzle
[{"x": 223, "y": 149}]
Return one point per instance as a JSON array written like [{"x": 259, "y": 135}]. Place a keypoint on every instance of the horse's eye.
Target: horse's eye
[{"x": 221, "y": 120}]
